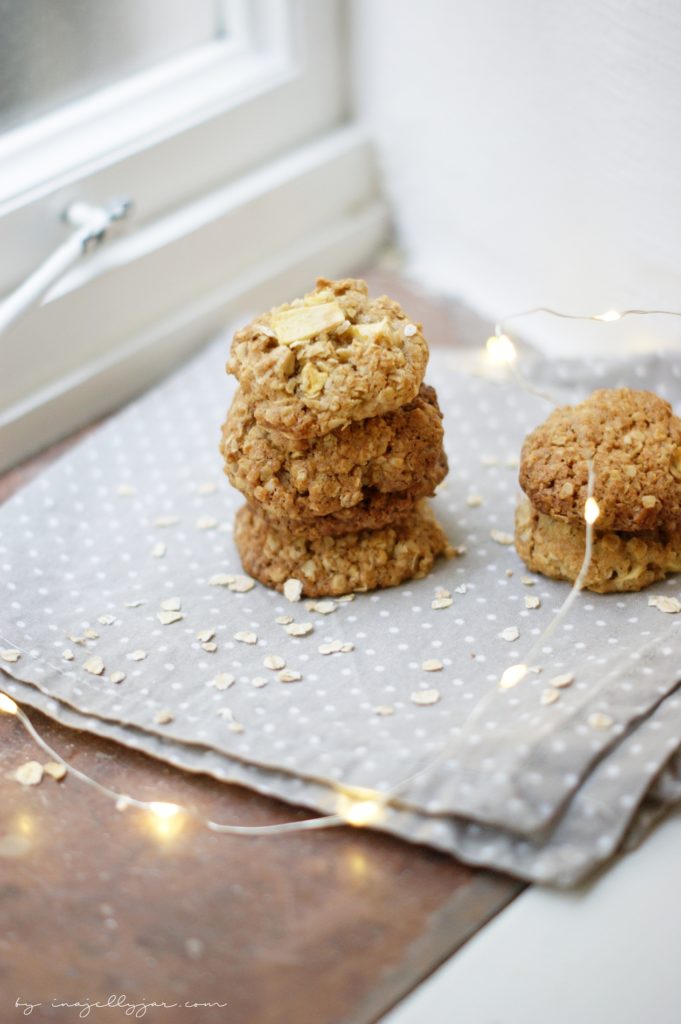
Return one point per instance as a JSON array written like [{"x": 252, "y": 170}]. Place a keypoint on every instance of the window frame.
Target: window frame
[
  {"x": 161, "y": 136},
  {"x": 218, "y": 233}
]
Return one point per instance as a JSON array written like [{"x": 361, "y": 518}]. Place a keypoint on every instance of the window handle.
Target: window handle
[{"x": 91, "y": 226}]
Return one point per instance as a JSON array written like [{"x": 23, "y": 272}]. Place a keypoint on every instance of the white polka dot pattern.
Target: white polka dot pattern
[{"x": 122, "y": 552}]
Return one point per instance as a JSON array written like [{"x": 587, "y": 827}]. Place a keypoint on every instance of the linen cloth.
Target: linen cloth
[{"x": 140, "y": 512}]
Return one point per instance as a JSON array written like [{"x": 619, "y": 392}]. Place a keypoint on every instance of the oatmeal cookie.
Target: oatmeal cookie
[
  {"x": 329, "y": 566},
  {"x": 377, "y": 509},
  {"x": 634, "y": 439},
  {"x": 322, "y": 476},
  {"x": 328, "y": 359},
  {"x": 620, "y": 561}
]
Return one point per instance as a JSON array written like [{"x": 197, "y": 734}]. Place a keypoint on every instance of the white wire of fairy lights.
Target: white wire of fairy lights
[{"x": 355, "y": 805}]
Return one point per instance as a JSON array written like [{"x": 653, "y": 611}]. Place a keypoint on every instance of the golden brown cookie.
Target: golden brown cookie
[
  {"x": 377, "y": 509},
  {"x": 401, "y": 451},
  {"x": 634, "y": 439},
  {"x": 620, "y": 561},
  {"x": 329, "y": 566},
  {"x": 328, "y": 359}
]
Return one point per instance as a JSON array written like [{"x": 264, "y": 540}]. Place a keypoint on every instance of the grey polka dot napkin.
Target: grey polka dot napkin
[{"x": 123, "y": 593}]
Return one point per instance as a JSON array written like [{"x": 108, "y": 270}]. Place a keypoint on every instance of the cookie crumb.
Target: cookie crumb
[
  {"x": 94, "y": 665},
  {"x": 29, "y": 774},
  {"x": 425, "y": 697},
  {"x": 293, "y": 590},
  {"x": 245, "y": 636},
  {"x": 288, "y": 675}
]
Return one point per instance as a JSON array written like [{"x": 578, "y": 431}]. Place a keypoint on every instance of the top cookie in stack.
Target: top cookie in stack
[{"x": 335, "y": 440}]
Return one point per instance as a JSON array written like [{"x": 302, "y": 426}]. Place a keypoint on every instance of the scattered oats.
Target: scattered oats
[
  {"x": 510, "y": 634},
  {"x": 206, "y": 523},
  {"x": 223, "y": 681},
  {"x": 166, "y": 520},
  {"x": 563, "y": 680},
  {"x": 138, "y": 655},
  {"x": 410, "y": 330},
  {"x": 158, "y": 550},
  {"x": 94, "y": 665},
  {"x": 164, "y": 716},
  {"x": 235, "y": 727},
  {"x": 167, "y": 618},
  {"x": 204, "y": 635},
  {"x": 55, "y": 770},
  {"x": 10, "y": 654},
  {"x": 117, "y": 677},
  {"x": 532, "y": 602},
  {"x": 283, "y": 620},
  {"x": 210, "y": 647},
  {"x": 528, "y": 581},
  {"x": 432, "y": 665},
  {"x": 274, "y": 662},
  {"x": 500, "y": 537},
  {"x": 344, "y": 598},
  {"x": 441, "y": 602},
  {"x": 171, "y": 604},
  {"x": 322, "y": 607},
  {"x": 460, "y": 549},
  {"x": 80, "y": 640},
  {"x": 221, "y": 579},
  {"x": 225, "y": 713},
  {"x": 489, "y": 460},
  {"x": 669, "y": 605},
  {"x": 258, "y": 682},
  {"x": 299, "y": 628},
  {"x": 599, "y": 720},
  {"x": 474, "y": 500},
  {"x": 90, "y": 634},
  {"x": 333, "y": 647},
  {"x": 125, "y": 490},
  {"x": 287, "y": 675},
  {"x": 67, "y": 654},
  {"x": 512, "y": 462},
  {"x": 384, "y": 709},
  {"x": 135, "y": 604},
  {"x": 549, "y": 696},
  {"x": 241, "y": 584},
  {"x": 461, "y": 589},
  {"x": 509, "y": 572},
  {"x": 425, "y": 697},
  {"x": 245, "y": 636},
  {"x": 346, "y": 648},
  {"x": 207, "y": 488},
  {"x": 442, "y": 592},
  {"x": 293, "y": 590},
  {"x": 29, "y": 774},
  {"x": 107, "y": 620}
]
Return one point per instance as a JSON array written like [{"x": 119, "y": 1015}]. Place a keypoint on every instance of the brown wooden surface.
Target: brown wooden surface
[{"x": 320, "y": 928}]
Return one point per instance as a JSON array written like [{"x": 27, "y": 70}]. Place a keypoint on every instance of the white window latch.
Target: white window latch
[{"x": 92, "y": 226}]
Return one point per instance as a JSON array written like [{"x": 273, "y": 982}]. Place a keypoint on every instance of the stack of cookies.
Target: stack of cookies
[
  {"x": 633, "y": 440},
  {"x": 335, "y": 441}
]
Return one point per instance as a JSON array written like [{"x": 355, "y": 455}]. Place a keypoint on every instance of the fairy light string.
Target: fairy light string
[{"x": 357, "y": 806}]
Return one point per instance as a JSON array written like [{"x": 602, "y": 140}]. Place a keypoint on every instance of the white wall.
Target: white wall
[{"x": 532, "y": 152}]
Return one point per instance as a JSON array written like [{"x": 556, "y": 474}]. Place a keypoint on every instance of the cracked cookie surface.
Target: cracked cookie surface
[
  {"x": 350, "y": 466},
  {"x": 620, "y": 561},
  {"x": 328, "y": 566},
  {"x": 328, "y": 359},
  {"x": 634, "y": 439}
]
